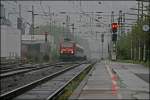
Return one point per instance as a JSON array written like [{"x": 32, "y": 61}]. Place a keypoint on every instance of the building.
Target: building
[
  {"x": 10, "y": 42},
  {"x": 36, "y": 46},
  {"x": 35, "y": 38},
  {"x": 10, "y": 38}
]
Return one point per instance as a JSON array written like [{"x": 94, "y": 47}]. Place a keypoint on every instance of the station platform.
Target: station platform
[{"x": 96, "y": 85}]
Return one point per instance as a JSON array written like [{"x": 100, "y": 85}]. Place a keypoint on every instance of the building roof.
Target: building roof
[{"x": 33, "y": 41}]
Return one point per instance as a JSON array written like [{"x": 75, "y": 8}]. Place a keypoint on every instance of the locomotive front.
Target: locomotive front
[{"x": 67, "y": 50}]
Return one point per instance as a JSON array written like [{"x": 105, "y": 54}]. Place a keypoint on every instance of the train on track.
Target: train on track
[{"x": 70, "y": 50}]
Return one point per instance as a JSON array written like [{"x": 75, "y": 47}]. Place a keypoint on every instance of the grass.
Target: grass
[
  {"x": 146, "y": 64},
  {"x": 125, "y": 61},
  {"x": 73, "y": 85}
]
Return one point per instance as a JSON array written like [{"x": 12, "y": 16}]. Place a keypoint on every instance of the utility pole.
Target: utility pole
[
  {"x": 91, "y": 25},
  {"x": 80, "y": 19},
  {"x": 112, "y": 16},
  {"x": 50, "y": 18},
  {"x": 32, "y": 25},
  {"x": 80, "y": 9},
  {"x": 21, "y": 33},
  {"x": 140, "y": 42},
  {"x": 139, "y": 45},
  {"x": 123, "y": 23},
  {"x": 131, "y": 54},
  {"x": 142, "y": 11},
  {"x": 63, "y": 29},
  {"x": 73, "y": 31},
  {"x": 19, "y": 10},
  {"x": 67, "y": 25},
  {"x": 135, "y": 47},
  {"x": 142, "y": 17},
  {"x": 32, "y": 22},
  {"x": 147, "y": 56},
  {"x": 102, "y": 40},
  {"x": 120, "y": 23},
  {"x": 140, "y": 22},
  {"x": 138, "y": 11}
]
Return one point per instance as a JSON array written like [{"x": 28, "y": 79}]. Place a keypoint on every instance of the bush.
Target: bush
[
  {"x": 123, "y": 48},
  {"x": 46, "y": 58}
]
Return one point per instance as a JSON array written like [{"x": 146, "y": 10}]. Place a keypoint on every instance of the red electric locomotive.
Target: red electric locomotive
[{"x": 69, "y": 50}]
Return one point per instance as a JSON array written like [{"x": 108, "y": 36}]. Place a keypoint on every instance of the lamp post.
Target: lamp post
[
  {"x": 63, "y": 28},
  {"x": 73, "y": 31},
  {"x": 102, "y": 40}
]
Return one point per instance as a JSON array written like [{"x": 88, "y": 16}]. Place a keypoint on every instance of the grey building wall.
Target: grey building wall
[{"x": 10, "y": 42}]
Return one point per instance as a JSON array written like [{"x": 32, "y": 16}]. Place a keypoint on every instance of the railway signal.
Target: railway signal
[
  {"x": 114, "y": 27},
  {"x": 114, "y": 37},
  {"x": 102, "y": 37},
  {"x": 114, "y": 30}
]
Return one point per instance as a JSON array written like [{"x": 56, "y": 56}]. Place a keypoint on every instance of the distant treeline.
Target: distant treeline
[{"x": 135, "y": 45}]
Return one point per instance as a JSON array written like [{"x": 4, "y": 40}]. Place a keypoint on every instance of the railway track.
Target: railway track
[
  {"x": 15, "y": 79},
  {"x": 46, "y": 87},
  {"x": 9, "y": 67},
  {"x": 13, "y": 70},
  {"x": 18, "y": 66},
  {"x": 21, "y": 70}
]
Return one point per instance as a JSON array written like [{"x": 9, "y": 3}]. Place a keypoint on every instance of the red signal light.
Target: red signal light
[{"x": 114, "y": 27}]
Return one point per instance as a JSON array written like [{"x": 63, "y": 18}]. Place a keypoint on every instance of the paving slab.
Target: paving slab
[
  {"x": 98, "y": 85},
  {"x": 134, "y": 80}
]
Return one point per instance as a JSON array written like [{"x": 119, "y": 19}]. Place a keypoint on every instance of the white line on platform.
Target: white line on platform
[{"x": 113, "y": 81}]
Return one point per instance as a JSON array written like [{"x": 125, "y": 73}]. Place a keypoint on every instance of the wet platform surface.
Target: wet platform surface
[{"x": 98, "y": 85}]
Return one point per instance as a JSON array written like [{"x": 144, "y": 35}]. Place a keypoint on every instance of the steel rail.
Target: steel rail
[
  {"x": 16, "y": 72},
  {"x": 58, "y": 92},
  {"x": 20, "y": 90}
]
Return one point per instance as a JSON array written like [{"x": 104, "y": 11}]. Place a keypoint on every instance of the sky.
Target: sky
[{"x": 67, "y": 6}]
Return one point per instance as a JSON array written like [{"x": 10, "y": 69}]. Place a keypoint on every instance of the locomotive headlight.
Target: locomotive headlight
[
  {"x": 61, "y": 51},
  {"x": 71, "y": 51}
]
